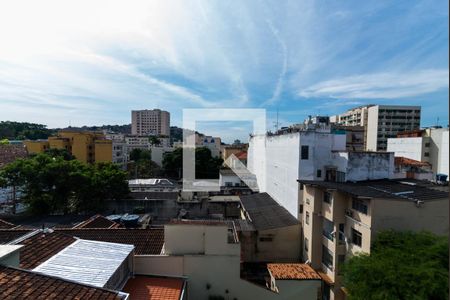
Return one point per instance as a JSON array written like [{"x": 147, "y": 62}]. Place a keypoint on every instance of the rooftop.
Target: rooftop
[
  {"x": 265, "y": 213},
  {"x": 9, "y": 153},
  {"x": 155, "y": 196},
  {"x": 292, "y": 271},
  {"x": 8, "y": 235},
  {"x": 98, "y": 221},
  {"x": 87, "y": 262},
  {"x": 405, "y": 189},
  {"x": 154, "y": 288},
  {"x": 146, "y": 241},
  {"x": 151, "y": 181},
  {"x": 6, "y": 225},
  {"x": 400, "y": 160},
  {"x": 17, "y": 283}
]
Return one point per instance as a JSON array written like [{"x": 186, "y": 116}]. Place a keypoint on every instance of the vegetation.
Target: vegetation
[
  {"x": 23, "y": 131},
  {"x": 206, "y": 166},
  {"x": 56, "y": 183},
  {"x": 141, "y": 165},
  {"x": 402, "y": 265}
]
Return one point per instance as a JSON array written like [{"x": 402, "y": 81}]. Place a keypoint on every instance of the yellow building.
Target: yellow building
[
  {"x": 38, "y": 146},
  {"x": 82, "y": 145}
]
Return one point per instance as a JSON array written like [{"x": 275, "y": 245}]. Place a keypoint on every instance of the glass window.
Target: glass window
[
  {"x": 327, "y": 257},
  {"x": 356, "y": 237},
  {"x": 426, "y": 154},
  {"x": 307, "y": 218},
  {"x": 319, "y": 173},
  {"x": 328, "y": 228},
  {"x": 327, "y": 197},
  {"x": 359, "y": 205},
  {"x": 341, "y": 233},
  {"x": 305, "y": 152}
]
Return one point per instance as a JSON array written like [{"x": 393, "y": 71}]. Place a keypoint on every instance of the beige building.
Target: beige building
[
  {"x": 341, "y": 219},
  {"x": 381, "y": 122},
  {"x": 150, "y": 122}
]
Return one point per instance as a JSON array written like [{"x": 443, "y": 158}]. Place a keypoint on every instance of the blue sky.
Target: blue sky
[{"x": 91, "y": 62}]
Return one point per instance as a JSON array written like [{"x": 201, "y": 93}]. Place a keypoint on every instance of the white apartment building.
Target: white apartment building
[
  {"x": 279, "y": 160},
  {"x": 429, "y": 145},
  {"x": 341, "y": 219},
  {"x": 150, "y": 122},
  {"x": 381, "y": 122}
]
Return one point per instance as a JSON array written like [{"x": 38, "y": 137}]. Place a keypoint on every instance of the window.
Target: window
[
  {"x": 301, "y": 208},
  {"x": 340, "y": 176},
  {"x": 307, "y": 200},
  {"x": 327, "y": 197},
  {"x": 327, "y": 257},
  {"x": 427, "y": 154},
  {"x": 305, "y": 152},
  {"x": 328, "y": 228},
  {"x": 319, "y": 173},
  {"x": 359, "y": 205},
  {"x": 301, "y": 186},
  {"x": 356, "y": 237},
  {"x": 427, "y": 144},
  {"x": 307, "y": 218},
  {"x": 341, "y": 233},
  {"x": 306, "y": 245}
]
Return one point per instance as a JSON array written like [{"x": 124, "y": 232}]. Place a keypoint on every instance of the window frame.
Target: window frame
[
  {"x": 304, "y": 152},
  {"x": 358, "y": 235}
]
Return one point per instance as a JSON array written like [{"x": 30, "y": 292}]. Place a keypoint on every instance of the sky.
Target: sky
[{"x": 92, "y": 62}]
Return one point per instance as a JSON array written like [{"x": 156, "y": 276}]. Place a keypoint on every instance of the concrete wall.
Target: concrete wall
[
  {"x": 410, "y": 147},
  {"x": 405, "y": 215},
  {"x": 284, "y": 247},
  {"x": 439, "y": 150},
  {"x": 158, "y": 154},
  {"x": 164, "y": 265},
  {"x": 372, "y": 129}
]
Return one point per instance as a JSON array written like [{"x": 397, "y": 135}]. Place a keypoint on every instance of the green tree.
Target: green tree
[
  {"x": 65, "y": 154},
  {"x": 53, "y": 184},
  {"x": 206, "y": 166},
  {"x": 402, "y": 265},
  {"x": 154, "y": 140}
]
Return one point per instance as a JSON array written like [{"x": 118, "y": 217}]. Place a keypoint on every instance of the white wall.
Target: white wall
[
  {"x": 439, "y": 151},
  {"x": 409, "y": 147},
  {"x": 158, "y": 154},
  {"x": 372, "y": 128}
]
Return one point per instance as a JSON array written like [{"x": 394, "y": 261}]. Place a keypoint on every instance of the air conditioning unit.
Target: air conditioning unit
[{"x": 349, "y": 213}]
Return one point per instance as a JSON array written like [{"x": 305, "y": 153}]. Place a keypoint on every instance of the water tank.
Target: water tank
[
  {"x": 114, "y": 218},
  {"x": 130, "y": 220}
]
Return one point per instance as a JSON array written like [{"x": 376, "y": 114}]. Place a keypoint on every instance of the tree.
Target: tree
[
  {"x": 402, "y": 265},
  {"x": 140, "y": 154},
  {"x": 154, "y": 140},
  {"x": 206, "y": 166},
  {"x": 65, "y": 154},
  {"x": 53, "y": 184}
]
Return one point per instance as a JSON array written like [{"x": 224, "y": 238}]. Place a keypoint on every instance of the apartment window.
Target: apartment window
[
  {"x": 340, "y": 176},
  {"x": 306, "y": 245},
  {"x": 356, "y": 237},
  {"x": 305, "y": 152},
  {"x": 319, "y": 173},
  {"x": 327, "y": 197},
  {"x": 327, "y": 231},
  {"x": 359, "y": 205},
  {"x": 427, "y": 144},
  {"x": 307, "y": 200},
  {"x": 301, "y": 208},
  {"x": 307, "y": 218},
  {"x": 341, "y": 233},
  {"x": 266, "y": 239},
  {"x": 327, "y": 257},
  {"x": 426, "y": 154}
]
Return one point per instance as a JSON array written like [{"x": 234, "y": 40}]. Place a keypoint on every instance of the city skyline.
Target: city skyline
[{"x": 61, "y": 66}]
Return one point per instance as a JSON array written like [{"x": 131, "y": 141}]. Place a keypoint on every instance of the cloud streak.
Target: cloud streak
[{"x": 380, "y": 85}]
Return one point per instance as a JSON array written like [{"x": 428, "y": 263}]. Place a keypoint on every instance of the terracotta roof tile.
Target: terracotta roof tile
[
  {"x": 154, "y": 288},
  {"x": 6, "y": 225},
  {"x": 21, "y": 284},
  {"x": 400, "y": 160},
  {"x": 294, "y": 271},
  {"x": 41, "y": 246},
  {"x": 8, "y": 235},
  {"x": 147, "y": 241},
  {"x": 98, "y": 221}
]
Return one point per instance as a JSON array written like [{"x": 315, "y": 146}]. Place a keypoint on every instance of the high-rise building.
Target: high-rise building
[
  {"x": 381, "y": 122},
  {"x": 150, "y": 122}
]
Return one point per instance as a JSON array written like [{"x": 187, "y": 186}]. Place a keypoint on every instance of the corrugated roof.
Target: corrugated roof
[
  {"x": 292, "y": 271},
  {"x": 20, "y": 284},
  {"x": 266, "y": 213},
  {"x": 387, "y": 189},
  {"x": 88, "y": 262},
  {"x": 154, "y": 288}
]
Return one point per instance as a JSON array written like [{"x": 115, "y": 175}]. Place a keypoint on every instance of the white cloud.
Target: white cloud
[{"x": 380, "y": 85}]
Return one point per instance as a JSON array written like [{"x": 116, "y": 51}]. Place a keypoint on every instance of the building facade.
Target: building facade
[
  {"x": 150, "y": 122},
  {"x": 342, "y": 219},
  {"x": 429, "y": 145}
]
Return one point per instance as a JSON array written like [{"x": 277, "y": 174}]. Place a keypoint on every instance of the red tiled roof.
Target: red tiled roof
[
  {"x": 146, "y": 241},
  {"x": 154, "y": 288},
  {"x": 400, "y": 160},
  {"x": 21, "y": 284},
  {"x": 6, "y": 225},
  {"x": 41, "y": 246},
  {"x": 8, "y": 235},
  {"x": 241, "y": 155},
  {"x": 293, "y": 271},
  {"x": 98, "y": 221}
]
